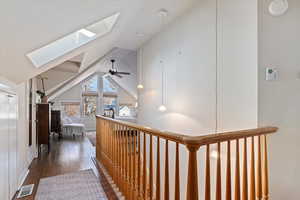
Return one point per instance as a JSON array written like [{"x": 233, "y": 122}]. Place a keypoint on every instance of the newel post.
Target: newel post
[{"x": 192, "y": 180}]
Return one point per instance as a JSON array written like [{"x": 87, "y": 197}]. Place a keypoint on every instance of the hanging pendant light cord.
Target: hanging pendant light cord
[
  {"x": 162, "y": 17},
  {"x": 141, "y": 65},
  {"x": 162, "y": 84}
]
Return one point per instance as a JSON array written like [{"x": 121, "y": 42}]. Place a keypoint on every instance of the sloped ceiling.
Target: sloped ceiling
[
  {"x": 125, "y": 61},
  {"x": 28, "y": 25}
]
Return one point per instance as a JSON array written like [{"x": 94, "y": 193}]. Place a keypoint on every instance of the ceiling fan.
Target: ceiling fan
[{"x": 114, "y": 72}]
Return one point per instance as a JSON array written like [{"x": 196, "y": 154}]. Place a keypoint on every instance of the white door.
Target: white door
[
  {"x": 4, "y": 163},
  {"x": 12, "y": 131}
]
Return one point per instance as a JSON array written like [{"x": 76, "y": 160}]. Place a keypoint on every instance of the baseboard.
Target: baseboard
[{"x": 24, "y": 176}]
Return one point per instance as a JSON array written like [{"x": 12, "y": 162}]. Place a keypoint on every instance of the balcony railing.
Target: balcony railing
[{"x": 126, "y": 151}]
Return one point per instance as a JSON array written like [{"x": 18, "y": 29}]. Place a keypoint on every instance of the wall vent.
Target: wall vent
[{"x": 25, "y": 190}]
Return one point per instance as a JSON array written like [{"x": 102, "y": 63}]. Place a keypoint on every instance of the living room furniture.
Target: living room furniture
[{"x": 72, "y": 126}]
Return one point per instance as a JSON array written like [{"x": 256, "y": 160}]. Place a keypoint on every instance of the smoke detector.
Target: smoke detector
[
  {"x": 278, "y": 7},
  {"x": 162, "y": 13}
]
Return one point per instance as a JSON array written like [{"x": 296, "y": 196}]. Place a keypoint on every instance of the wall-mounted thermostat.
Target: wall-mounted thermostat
[{"x": 271, "y": 74}]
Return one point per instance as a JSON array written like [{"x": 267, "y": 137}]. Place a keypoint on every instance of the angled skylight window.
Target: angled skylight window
[{"x": 60, "y": 47}]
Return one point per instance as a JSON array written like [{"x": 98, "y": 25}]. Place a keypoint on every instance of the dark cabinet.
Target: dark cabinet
[
  {"x": 56, "y": 122},
  {"x": 42, "y": 125}
]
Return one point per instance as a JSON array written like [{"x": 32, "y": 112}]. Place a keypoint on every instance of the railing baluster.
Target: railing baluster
[
  {"x": 127, "y": 162},
  {"x": 218, "y": 182},
  {"x": 144, "y": 169},
  {"x": 228, "y": 172},
  {"x": 167, "y": 171},
  {"x": 113, "y": 152},
  {"x": 134, "y": 165},
  {"x": 139, "y": 165},
  {"x": 151, "y": 169},
  {"x": 122, "y": 158},
  {"x": 252, "y": 171},
  {"x": 245, "y": 172},
  {"x": 117, "y": 154},
  {"x": 266, "y": 171},
  {"x": 237, "y": 172},
  {"x": 177, "y": 174},
  {"x": 207, "y": 174},
  {"x": 259, "y": 171},
  {"x": 130, "y": 162},
  {"x": 158, "y": 170}
]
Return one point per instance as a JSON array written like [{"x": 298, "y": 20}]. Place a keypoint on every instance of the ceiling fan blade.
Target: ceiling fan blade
[
  {"x": 118, "y": 75},
  {"x": 124, "y": 73}
]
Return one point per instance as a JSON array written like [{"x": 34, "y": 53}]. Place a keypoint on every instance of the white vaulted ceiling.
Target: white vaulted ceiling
[{"x": 29, "y": 25}]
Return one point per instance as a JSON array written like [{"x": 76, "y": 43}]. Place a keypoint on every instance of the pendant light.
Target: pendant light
[
  {"x": 140, "y": 85},
  {"x": 162, "y": 108}
]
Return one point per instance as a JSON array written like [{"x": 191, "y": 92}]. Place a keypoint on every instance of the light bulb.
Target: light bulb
[
  {"x": 162, "y": 108},
  {"x": 140, "y": 86}
]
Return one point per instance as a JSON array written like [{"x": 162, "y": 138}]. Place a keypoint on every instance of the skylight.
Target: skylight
[{"x": 60, "y": 47}]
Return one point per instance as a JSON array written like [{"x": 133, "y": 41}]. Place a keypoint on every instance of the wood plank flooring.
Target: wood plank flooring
[{"x": 66, "y": 155}]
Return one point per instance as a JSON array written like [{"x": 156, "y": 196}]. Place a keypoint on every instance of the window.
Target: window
[
  {"x": 108, "y": 87},
  {"x": 109, "y": 103},
  {"x": 89, "y": 106},
  {"x": 72, "y": 41},
  {"x": 91, "y": 85},
  {"x": 125, "y": 111},
  {"x": 71, "y": 109}
]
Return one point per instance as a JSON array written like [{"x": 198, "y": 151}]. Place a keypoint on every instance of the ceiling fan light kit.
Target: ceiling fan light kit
[{"x": 278, "y": 7}]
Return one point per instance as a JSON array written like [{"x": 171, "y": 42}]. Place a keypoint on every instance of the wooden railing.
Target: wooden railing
[{"x": 126, "y": 152}]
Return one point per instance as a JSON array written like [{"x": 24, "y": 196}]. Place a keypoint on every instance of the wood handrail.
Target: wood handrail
[
  {"x": 126, "y": 150},
  {"x": 209, "y": 138}
]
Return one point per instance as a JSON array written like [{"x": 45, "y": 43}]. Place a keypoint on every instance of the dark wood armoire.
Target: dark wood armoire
[{"x": 42, "y": 125}]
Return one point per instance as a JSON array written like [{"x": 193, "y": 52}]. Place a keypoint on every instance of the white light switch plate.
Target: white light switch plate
[{"x": 271, "y": 74}]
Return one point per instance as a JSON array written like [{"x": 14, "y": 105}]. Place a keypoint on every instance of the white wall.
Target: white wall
[
  {"x": 210, "y": 70},
  {"x": 25, "y": 153},
  {"x": 74, "y": 94},
  {"x": 210, "y": 64},
  {"x": 279, "y": 100},
  {"x": 125, "y": 98},
  {"x": 54, "y": 78},
  {"x": 237, "y": 64},
  {"x": 187, "y": 48}
]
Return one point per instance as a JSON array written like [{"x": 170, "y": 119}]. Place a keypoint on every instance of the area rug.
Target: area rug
[
  {"x": 92, "y": 137},
  {"x": 82, "y": 185}
]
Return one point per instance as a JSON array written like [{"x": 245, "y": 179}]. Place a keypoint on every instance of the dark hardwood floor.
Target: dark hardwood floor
[{"x": 66, "y": 155}]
